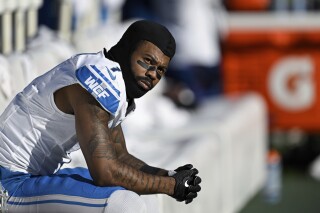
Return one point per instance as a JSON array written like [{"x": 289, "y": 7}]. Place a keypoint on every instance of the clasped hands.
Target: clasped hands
[{"x": 187, "y": 183}]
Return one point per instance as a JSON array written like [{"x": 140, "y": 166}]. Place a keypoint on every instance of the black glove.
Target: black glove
[
  {"x": 194, "y": 181},
  {"x": 187, "y": 184}
]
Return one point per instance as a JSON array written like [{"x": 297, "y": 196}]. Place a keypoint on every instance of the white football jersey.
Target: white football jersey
[{"x": 35, "y": 136}]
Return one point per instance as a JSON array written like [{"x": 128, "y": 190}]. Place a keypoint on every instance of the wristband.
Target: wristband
[{"x": 171, "y": 173}]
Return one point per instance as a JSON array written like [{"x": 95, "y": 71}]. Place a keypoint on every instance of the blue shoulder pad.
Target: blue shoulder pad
[{"x": 99, "y": 86}]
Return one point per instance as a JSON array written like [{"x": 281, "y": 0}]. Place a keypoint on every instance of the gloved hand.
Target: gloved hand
[
  {"x": 187, "y": 183},
  {"x": 194, "y": 182}
]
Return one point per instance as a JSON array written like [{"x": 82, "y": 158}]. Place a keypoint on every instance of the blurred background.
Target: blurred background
[{"x": 241, "y": 100}]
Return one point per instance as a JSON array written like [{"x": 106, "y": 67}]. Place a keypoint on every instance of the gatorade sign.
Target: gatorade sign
[
  {"x": 280, "y": 64},
  {"x": 291, "y": 83}
]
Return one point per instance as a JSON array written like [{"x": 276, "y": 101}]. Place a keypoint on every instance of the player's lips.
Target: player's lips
[{"x": 146, "y": 85}]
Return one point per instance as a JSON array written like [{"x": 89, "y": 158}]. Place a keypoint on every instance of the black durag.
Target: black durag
[{"x": 121, "y": 53}]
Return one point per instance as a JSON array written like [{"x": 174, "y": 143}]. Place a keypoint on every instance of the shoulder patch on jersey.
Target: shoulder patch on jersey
[{"x": 99, "y": 86}]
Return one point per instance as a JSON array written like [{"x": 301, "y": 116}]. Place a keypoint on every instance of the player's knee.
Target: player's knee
[{"x": 125, "y": 201}]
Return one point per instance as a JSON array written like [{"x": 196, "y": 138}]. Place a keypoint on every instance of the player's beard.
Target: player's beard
[{"x": 133, "y": 89}]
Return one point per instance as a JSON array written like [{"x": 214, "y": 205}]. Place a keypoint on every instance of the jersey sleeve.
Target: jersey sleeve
[{"x": 101, "y": 84}]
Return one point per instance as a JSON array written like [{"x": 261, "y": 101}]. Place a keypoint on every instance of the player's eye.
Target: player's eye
[
  {"x": 161, "y": 71},
  {"x": 147, "y": 60}
]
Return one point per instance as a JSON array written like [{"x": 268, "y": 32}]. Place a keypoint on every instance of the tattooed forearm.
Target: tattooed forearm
[
  {"x": 142, "y": 166},
  {"x": 125, "y": 175},
  {"x": 140, "y": 182}
]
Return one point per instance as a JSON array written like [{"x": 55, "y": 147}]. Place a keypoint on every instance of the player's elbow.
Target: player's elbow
[
  {"x": 105, "y": 180},
  {"x": 104, "y": 177}
]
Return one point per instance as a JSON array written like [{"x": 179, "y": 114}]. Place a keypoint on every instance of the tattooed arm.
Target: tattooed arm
[
  {"x": 104, "y": 157},
  {"x": 127, "y": 158}
]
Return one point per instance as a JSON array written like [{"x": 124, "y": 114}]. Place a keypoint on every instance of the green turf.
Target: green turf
[{"x": 300, "y": 194}]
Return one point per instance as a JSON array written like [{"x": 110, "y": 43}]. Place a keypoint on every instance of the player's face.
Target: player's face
[{"x": 148, "y": 64}]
